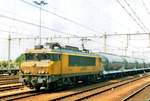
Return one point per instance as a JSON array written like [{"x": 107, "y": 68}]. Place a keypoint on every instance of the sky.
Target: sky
[{"x": 91, "y": 17}]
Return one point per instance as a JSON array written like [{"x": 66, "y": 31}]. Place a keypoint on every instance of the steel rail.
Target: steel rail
[
  {"x": 135, "y": 92},
  {"x": 80, "y": 97}
]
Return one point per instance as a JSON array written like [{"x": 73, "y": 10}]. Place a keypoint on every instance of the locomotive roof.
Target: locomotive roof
[{"x": 60, "y": 51}]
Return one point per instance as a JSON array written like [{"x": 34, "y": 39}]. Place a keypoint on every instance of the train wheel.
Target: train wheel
[
  {"x": 30, "y": 85},
  {"x": 37, "y": 88},
  {"x": 51, "y": 86}
]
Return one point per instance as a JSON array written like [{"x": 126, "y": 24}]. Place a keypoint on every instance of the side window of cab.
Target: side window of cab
[{"x": 56, "y": 57}]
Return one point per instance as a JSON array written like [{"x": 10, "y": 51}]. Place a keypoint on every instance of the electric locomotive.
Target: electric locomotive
[{"x": 58, "y": 66}]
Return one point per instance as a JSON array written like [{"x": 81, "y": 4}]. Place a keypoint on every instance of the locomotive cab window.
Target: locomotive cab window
[
  {"x": 42, "y": 56},
  {"x": 29, "y": 56}
]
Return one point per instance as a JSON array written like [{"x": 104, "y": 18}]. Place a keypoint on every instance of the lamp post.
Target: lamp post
[{"x": 40, "y": 3}]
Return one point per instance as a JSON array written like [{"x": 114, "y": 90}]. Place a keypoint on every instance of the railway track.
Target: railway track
[
  {"x": 6, "y": 82},
  {"x": 1, "y": 76},
  {"x": 130, "y": 96},
  {"x": 10, "y": 87},
  {"x": 75, "y": 96},
  {"x": 8, "y": 78},
  {"x": 87, "y": 93},
  {"x": 18, "y": 94}
]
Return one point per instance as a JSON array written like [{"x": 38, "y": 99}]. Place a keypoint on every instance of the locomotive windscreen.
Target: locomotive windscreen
[{"x": 41, "y": 56}]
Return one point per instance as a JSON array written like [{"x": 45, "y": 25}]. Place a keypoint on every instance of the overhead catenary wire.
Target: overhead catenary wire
[
  {"x": 118, "y": 1},
  {"x": 64, "y": 18},
  {"x": 90, "y": 36},
  {"x": 63, "y": 37},
  {"x": 93, "y": 6},
  {"x": 135, "y": 14},
  {"x": 138, "y": 18},
  {"x": 30, "y": 23}
]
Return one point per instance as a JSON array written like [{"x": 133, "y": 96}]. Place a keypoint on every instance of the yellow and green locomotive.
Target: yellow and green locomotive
[{"x": 58, "y": 66}]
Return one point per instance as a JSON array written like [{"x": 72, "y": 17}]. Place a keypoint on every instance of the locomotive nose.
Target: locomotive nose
[
  {"x": 41, "y": 67},
  {"x": 38, "y": 69}
]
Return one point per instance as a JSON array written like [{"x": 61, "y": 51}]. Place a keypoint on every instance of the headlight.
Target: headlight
[
  {"x": 26, "y": 71},
  {"x": 42, "y": 72},
  {"x": 39, "y": 72}
]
